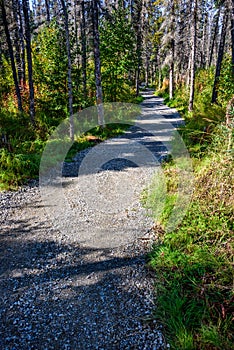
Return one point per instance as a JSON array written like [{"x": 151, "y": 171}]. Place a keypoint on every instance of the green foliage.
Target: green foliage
[
  {"x": 20, "y": 152},
  {"x": 197, "y": 134},
  {"x": 16, "y": 168},
  {"x": 23, "y": 145},
  {"x": 226, "y": 82},
  {"x": 50, "y": 74},
  {"x": 6, "y": 78},
  {"x": 117, "y": 55}
]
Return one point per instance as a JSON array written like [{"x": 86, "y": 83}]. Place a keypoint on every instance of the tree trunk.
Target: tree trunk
[
  {"x": 147, "y": 63},
  {"x": 220, "y": 56},
  {"x": 29, "y": 60},
  {"x": 11, "y": 53},
  {"x": 137, "y": 25},
  {"x": 232, "y": 32},
  {"x": 193, "y": 57},
  {"x": 21, "y": 35},
  {"x": 131, "y": 7},
  {"x": 97, "y": 62},
  {"x": 17, "y": 41},
  {"x": 69, "y": 70},
  {"x": 47, "y": 5},
  {"x": 171, "y": 73},
  {"x": 159, "y": 78},
  {"x": 171, "y": 81},
  {"x": 214, "y": 37},
  {"x": 204, "y": 40},
  {"x": 83, "y": 47},
  {"x": 188, "y": 72}
]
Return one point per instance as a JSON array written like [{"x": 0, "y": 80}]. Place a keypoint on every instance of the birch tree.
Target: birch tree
[
  {"x": 29, "y": 61},
  {"x": 11, "y": 54},
  {"x": 69, "y": 70},
  {"x": 83, "y": 48},
  {"x": 97, "y": 62},
  {"x": 220, "y": 55},
  {"x": 193, "y": 56},
  {"x": 231, "y": 7}
]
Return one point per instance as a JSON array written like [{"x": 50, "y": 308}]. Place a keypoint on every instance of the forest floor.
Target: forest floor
[{"x": 80, "y": 282}]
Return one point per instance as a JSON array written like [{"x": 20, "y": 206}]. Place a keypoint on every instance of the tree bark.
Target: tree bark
[
  {"x": 29, "y": 60},
  {"x": 69, "y": 70},
  {"x": 21, "y": 35},
  {"x": 159, "y": 77},
  {"x": 11, "y": 53},
  {"x": 17, "y": 41},
  {"x": 97, "y": 62},
  {"x": 220, "y": 56},
  {"x": 147, "y": 68},
  {"x": 193, "y": 57},
  {"x": 232, "y": 32},
  {"x": 214, "y": 37},
  {"x": 171, "y": 73},
  {"x": 137, "y": 24},
  {"x": 47, "y": 5},
  {"x": 83, "y": 48},
  {"x": 204, "y": 40}
]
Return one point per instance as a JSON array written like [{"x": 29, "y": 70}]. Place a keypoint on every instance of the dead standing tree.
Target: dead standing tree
[{"x": 97, "y": 62}]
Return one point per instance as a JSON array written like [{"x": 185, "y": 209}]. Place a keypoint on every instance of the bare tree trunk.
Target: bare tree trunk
[
  {"x": 188, "y": 72},
  {"x": 17, "y": 41},
  {"x": 232, "y": 32},
  {"x": 204, "y": 39},
  {"x": 159, "y": 78},
  {"x": 214, "y": 37},
  {"x": 69, "y": 70},
  {"x": 147, "y": 63},
  {"x": 77, "y": 32},
  {"x": 171, "y": 81},
  {"x": 193, "y": 57},
  {"x": 137, "y": 24},
  {"x": 29, "y": 60},
  {"x": 83, "y": 47},
  {"x": 11, "y": 53},
  {"x": 220, "y": 56},
  {"x": 97, "y": 62},
  {"x": 21, "y": 35},
  {"x": 171, "y": 73},
  {"x": 47, "y": 5},
  {"x": 131, "y": 6}
]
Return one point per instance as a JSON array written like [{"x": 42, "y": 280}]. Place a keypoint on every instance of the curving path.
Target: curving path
[{"x": 79, "y": 282}]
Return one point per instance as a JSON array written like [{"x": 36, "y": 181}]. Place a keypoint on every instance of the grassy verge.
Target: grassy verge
[{"x": 193, "y": 264}]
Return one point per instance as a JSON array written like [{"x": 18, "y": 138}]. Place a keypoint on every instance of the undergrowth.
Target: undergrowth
[
  {"x": 21, "y": 145},
  {"x": 20, "y": 157}
]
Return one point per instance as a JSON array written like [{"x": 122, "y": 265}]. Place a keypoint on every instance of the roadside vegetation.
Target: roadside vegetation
[
  {"x": 193, "y": 264},
  {"x": 60, "y": 79},
  {"x": 21, "y": 161}
]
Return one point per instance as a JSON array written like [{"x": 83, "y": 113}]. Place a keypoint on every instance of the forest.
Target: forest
[{"x": 60, "y": 57}]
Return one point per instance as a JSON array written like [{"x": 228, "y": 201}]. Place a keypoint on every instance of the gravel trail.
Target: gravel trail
[{"x": 56, "y": 293}]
